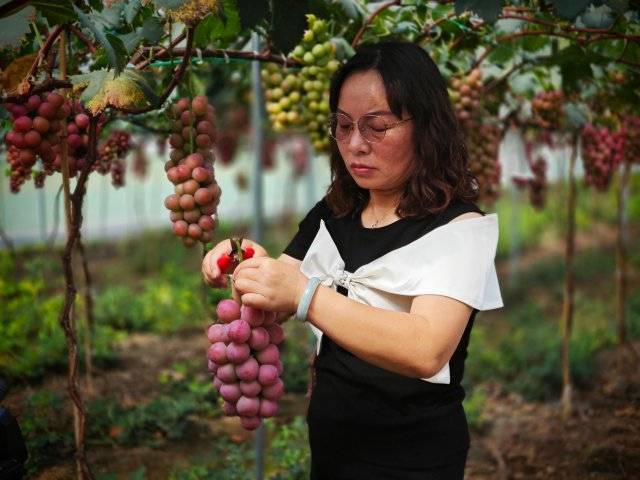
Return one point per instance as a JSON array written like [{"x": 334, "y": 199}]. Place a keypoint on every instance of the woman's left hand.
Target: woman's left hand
[{"x": 269, "y": 284}]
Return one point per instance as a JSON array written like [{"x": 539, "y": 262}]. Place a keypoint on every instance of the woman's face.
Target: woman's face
[{"x": 383, "y": 165}]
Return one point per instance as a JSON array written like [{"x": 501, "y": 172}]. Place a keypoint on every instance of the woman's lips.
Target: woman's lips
[{"x": 362, "y": 169}]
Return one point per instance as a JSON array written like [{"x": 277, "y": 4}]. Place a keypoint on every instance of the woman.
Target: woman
[{"x": 405, "y": 259}]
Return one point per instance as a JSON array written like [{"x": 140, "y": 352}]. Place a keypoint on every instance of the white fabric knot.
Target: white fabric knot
[{"x": 343, "y": 278}]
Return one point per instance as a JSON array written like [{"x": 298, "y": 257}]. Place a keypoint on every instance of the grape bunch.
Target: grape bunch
[
  {"x": 283, "y": 93},
  {"x": 483, "y": 143},
  {"x": 465, "y": 94},
  {"x": 602, "y": 152},
  {"x": 111, "y": 155},
  {"x": 141, "y": 161},
  {"x": 481, "y": 133},
  {"x": 631, "y": 127},
  {"x": 36, "y": 126},
  {"x": 536, "y": 186},
  {"x": 318, "y": 56},
  {"x": 547, "y": 109},
  {"x": 190, "y": 168},
  {"x": 245, "y": 361}
]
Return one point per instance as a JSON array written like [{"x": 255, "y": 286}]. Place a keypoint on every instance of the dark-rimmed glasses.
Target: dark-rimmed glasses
[{"x": 372, "y": 127}]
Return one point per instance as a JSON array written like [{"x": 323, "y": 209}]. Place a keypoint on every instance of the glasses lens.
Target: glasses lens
[
  {"x": 372, "y": 127},
  {"x": 340, "y": 126}
]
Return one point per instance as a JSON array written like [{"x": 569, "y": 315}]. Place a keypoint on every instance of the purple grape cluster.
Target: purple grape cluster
[{"x": 245, "y": 361}]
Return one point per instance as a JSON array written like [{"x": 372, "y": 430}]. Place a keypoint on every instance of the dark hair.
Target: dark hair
[{"x": 413, "y": 84}]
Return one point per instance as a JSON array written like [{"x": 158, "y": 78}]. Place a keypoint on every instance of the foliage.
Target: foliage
[{"x": 289, "y": 450}]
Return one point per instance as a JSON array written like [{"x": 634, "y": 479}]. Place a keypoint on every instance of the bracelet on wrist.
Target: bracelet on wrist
[{"x": 305, "y": 299}]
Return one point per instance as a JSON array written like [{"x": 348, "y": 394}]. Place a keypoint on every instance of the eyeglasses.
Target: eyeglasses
[{"x": 372, "y": 127}]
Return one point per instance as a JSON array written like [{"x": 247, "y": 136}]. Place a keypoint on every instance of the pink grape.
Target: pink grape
[
  {"x": 259, "y": 339},
  {"x": 212, "y": 366},
  {"x": 268, "y": 408},
  {"x": 276, "y": 333},
  {"x": 273, "y": 392},
  {"x": 227, "y": 373},
  {"x": 250, "y": 423},
  {"x": 229, "y": 409},
  {"x": 217, "y": 383},
  {"x": 252, "y": 316},
  {"x": 230, "y": 392},
  {"x": 279, "y": 367},
  {"x": 239, "y": 331},
  {"x": 228, "y": 310},
  {"x": 269, "y": 318},
  {"x": 218, "y": 353},
  {"x": 269, "y": 355},
  {"x": 238, "y": 352},
  {"x": 216, "y": 333},
  {"x": 250, "y": 389},
  {"x": 267, "y": 375},
  {"x": 248, "y": 407},
  {"x": 248, "y": 370}
]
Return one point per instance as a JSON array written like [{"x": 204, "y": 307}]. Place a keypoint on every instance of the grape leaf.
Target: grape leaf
[
  {"x": 55, "y": 11},
  {"x": 288, "y": 23},
  {"x": 172, "y": 4},
  {"x": 14, "y": 28},
  {"x": 502, "y": 54},
  {"x": 617, "y": 6},
  {"x": 352, "y": 9},
  {"x": 252, "y": 12},
  {"x": 214, "y": 28},
  {"x": 113, "y": 46},
  {"x": 131, "y": 9},
  {"x": 569, "y": 9},
  {"x": 102, "y": 89},
  {"x": 599, "y": 17},
  {"x": 152, "y": 29},
  {"x": 344, "y": 50},
  {"x": 488, "y": 10}
]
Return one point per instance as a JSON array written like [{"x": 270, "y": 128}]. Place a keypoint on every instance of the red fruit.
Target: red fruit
[
  {"x": 41, "y": 124},
  {"x": 224, "y": 262},
  {"x": 22, "y": 124},
  {"x": 200, "y": 174},
  {"x": 55, "y": 99},
  {"x": 33, "y": 103},
  {"x": 47, "y": 110},
  {"x": 32, "y": 138},
  {"x": 247, "y": 252},
  {"x": 82, "y": 120}
]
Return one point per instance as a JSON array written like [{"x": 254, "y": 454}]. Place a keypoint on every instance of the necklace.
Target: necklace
[{"x": 378, "y": 220}]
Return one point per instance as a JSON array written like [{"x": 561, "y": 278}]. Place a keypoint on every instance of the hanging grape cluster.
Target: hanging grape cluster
[
  {"x": 631, "y": 128},
  {"x": 190, "y": 168},
  {"x": 536, "y": 186},
  {"x": 35, "y": 133},
  {"x": 547, "y": 109},
  {"x": 245, "y": 361},
  {"x": 481, "y": 132},
  {"x": 111, "y": 154},
  {"x": 283, "y": 93},
  {"x": 300, "y": 98},
  {"x": 602, "y": 152}
]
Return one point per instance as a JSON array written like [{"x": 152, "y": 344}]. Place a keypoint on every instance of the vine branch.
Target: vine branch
[{"x": 370, "y": 19}]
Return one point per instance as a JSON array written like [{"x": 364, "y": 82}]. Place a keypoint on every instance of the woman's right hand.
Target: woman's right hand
[{"x": 210, "y": 270}]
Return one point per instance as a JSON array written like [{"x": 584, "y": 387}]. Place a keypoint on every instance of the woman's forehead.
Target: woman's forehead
[{"x": 363, "y": 92}]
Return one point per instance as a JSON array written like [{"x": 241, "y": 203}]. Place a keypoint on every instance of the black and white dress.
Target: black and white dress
[{"x": 366, "y": 422}]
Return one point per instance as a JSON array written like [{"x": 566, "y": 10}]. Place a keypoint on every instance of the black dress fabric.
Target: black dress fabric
[{"x": 366, "y": 422}]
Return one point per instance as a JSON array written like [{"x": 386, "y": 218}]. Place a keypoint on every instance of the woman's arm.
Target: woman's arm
[{"x": 417, "y": 343}]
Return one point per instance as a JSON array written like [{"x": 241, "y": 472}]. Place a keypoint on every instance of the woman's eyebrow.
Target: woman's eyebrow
[{"x": 375, "y": 112}]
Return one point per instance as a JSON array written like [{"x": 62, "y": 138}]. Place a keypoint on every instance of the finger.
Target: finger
[
  {"x": 254, "y": 300},
  {"x": 248, "y": 273},
  {"x": 251, "y": 263},
  {"x": 246, "y": 285}
]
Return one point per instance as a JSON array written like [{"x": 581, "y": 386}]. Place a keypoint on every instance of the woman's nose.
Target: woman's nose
[{"x": 356, "y": 143}]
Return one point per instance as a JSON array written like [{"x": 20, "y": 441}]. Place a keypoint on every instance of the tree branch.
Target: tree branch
[
  {"x": 177, "y": 76},
  {"x": 140, "y": 53},
  {"x": 83, "y": 38},
  {"x": 42, "y": 53},
  {"x": 220, "y": 53},
  {"x": 373, "y": 15}
]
